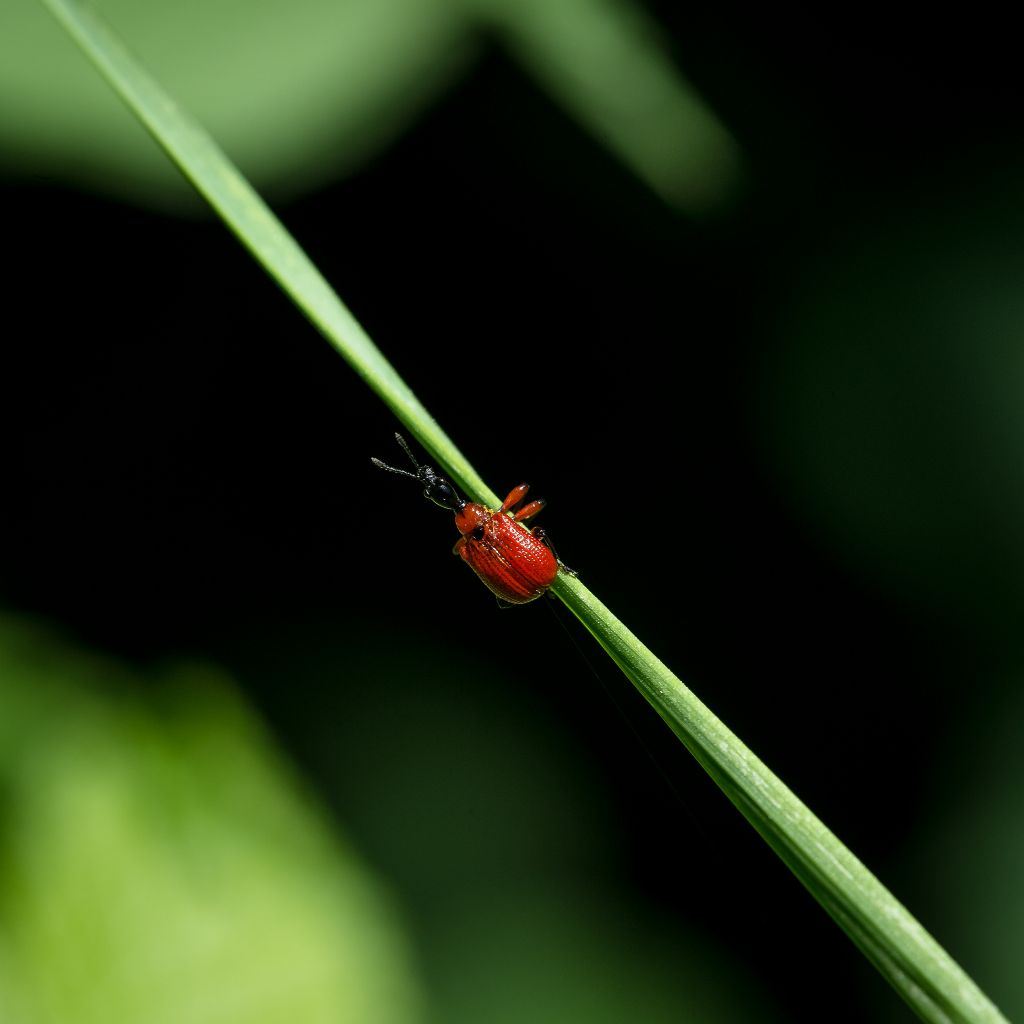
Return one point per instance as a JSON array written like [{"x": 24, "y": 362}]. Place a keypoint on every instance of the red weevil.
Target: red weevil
[{"x": 514, "y": 561}]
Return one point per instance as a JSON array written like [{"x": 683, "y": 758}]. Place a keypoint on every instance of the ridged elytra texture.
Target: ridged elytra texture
[{"x": 513, "y": 563}]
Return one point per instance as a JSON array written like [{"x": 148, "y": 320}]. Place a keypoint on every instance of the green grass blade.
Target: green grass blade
[
  {"x": 916, "y": 965},
  {"x": 921, "y": 971}
]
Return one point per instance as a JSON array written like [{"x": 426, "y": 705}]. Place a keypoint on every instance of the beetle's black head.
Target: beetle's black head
[
  {"x": 438, "y": 490},
  {"x": 435, "y": 487}
]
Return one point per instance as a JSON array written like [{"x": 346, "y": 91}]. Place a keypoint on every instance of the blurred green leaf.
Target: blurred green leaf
[
  {"x": 159, "y": 864},
  {"x": 606, "y": 62},
  {"x": 891, "y": 400},
  {"x": 569, "y": 953},
  {"x": 297, "y": 92},
  {"x": 303, "y": 92}
]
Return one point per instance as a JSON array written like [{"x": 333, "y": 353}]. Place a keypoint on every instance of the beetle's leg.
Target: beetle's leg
[
  {"x": 458, "y": 546},
  {"x": 515, "y": 496},
  {"x": 541, "y": 534},
  {"x": 529, "y": 510},
  {"x": 502, "y": 603}
]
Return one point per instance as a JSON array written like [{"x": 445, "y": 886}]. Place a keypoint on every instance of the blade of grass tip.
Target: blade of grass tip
[
  {"x": 248, "y": 216},
  {"x": 912, "y": 961},
  {"x": 923, "y": 973}
]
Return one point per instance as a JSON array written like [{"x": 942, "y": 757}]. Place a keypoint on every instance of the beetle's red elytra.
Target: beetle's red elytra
[{"x": 514, "y": 561}]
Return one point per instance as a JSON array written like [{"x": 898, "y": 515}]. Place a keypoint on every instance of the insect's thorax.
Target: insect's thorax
[{"x": 470, "y": 516}]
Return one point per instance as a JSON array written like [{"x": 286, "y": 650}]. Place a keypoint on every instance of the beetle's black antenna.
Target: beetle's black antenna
[
  {"x": 405, "y": 448},
  {"x": 393, "y": 469}
]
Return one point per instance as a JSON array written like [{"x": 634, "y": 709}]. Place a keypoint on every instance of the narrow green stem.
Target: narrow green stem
[{"x": 888, "y": 934}]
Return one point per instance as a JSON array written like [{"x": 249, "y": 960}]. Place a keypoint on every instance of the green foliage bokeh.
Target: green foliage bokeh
[{"x": 159, "y": 862}]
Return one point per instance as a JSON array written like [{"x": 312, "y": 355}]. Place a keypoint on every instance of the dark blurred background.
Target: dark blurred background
[{"x": 776, "y": 416}]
